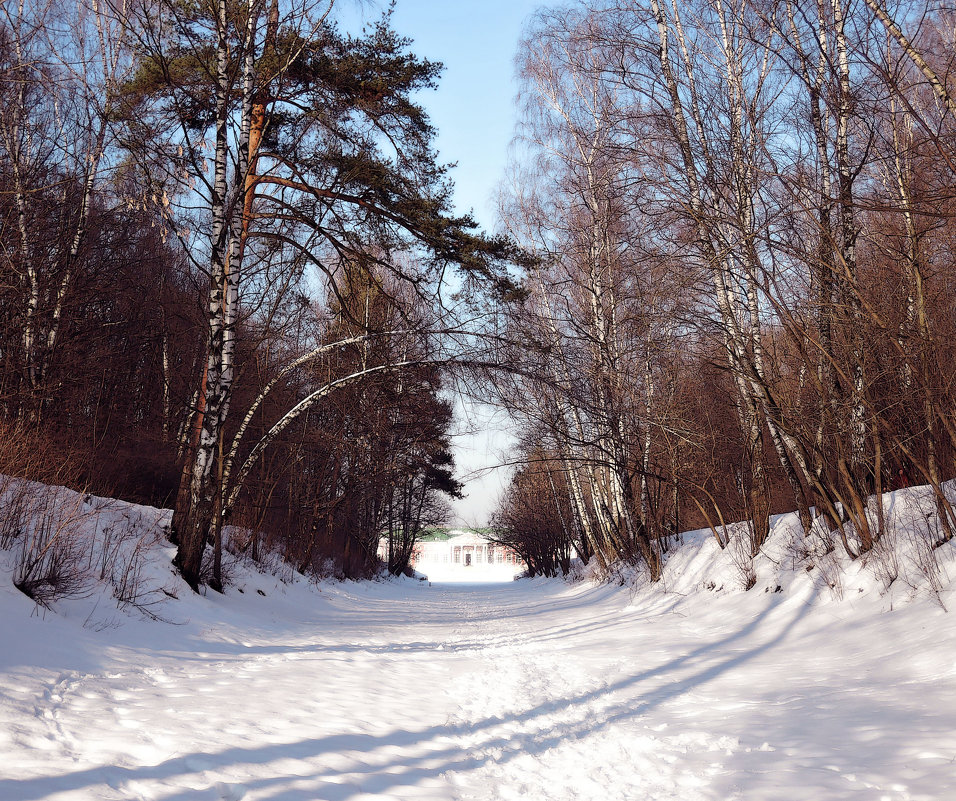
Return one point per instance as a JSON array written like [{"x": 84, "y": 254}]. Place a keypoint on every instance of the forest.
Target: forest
[{"x": 234, "y": 282}]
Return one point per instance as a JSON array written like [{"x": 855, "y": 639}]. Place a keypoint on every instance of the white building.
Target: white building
[
  {"x": 467, "y": 549},
  {"x": 466, "y": 554}
]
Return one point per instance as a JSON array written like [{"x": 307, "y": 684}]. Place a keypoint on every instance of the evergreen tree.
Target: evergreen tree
[{"x": 318, "y": 151}]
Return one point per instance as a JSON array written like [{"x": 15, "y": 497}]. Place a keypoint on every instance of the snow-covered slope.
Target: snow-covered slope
[{"x": 523, "y": 690}]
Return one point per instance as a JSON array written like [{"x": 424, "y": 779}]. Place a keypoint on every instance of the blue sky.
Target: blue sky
[{"x": 473, "y": 110}]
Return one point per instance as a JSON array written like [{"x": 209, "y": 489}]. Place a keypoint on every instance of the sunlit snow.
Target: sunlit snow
[{"x": 520, "y": 690}]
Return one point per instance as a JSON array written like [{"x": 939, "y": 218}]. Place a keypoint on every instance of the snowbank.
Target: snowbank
[{"x": 909, "y": 560}]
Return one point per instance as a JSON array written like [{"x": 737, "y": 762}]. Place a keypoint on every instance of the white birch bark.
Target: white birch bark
[
  {"x": 932, "y": 77},
  {"x": 718, "y": 247},
  {"x": 192, "y": 524},
  {"x": 572, "y": 426},
  {"x": 48, "y": 280},
  {"x": 848, "y": 236},
  {"x": 285, "y": 372},
  {"x": 299, "y": 409}
]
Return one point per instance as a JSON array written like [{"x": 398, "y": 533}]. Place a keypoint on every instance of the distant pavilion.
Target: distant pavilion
[{"x": 458, "y": 549}]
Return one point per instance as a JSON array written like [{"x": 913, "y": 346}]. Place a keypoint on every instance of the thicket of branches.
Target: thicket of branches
[
  {"x": 225, "y": 242},
  {"x": 743, "y": 300},
  {"x": 223, "y": 233}
]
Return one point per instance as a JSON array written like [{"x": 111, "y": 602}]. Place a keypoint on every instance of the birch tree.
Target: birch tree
[
  {"x": 60, "y": 88},
  {"x": 315, "y": 150},
  {"x": 598, "y": 296}
]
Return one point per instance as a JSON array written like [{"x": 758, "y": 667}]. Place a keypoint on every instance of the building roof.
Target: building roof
[
  {"x": 468, "y": 538},
  {"x": 445, "y": 534}
]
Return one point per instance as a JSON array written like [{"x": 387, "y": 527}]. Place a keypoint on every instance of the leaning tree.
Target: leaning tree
[{"x": 275, "y": 136}]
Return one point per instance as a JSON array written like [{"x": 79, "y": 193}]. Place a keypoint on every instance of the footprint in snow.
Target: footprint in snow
[{"x": 231, "y": 792}]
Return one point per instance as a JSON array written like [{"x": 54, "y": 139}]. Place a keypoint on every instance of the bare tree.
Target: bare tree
[{"x": 60, "y": 90}]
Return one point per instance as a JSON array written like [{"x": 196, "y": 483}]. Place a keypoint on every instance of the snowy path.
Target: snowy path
[{"x": 514, "y": 691}]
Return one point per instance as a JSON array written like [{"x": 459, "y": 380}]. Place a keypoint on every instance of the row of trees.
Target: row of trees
[
  {"x": 741, "y": 213},
  {"x": 224, "y": 234},
  {"x": 225, "y": 238}
]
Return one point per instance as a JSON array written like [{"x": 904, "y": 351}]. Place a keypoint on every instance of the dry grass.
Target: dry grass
[{"x": 45, "y": 530}]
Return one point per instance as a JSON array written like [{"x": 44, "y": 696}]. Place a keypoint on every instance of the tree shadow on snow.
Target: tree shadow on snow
[{"x": 403, "y": 765}]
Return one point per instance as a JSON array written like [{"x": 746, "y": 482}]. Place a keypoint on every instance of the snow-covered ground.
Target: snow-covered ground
[
  {"x": 517, "y": 690},
  {"x": 472, "y": 574}
]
